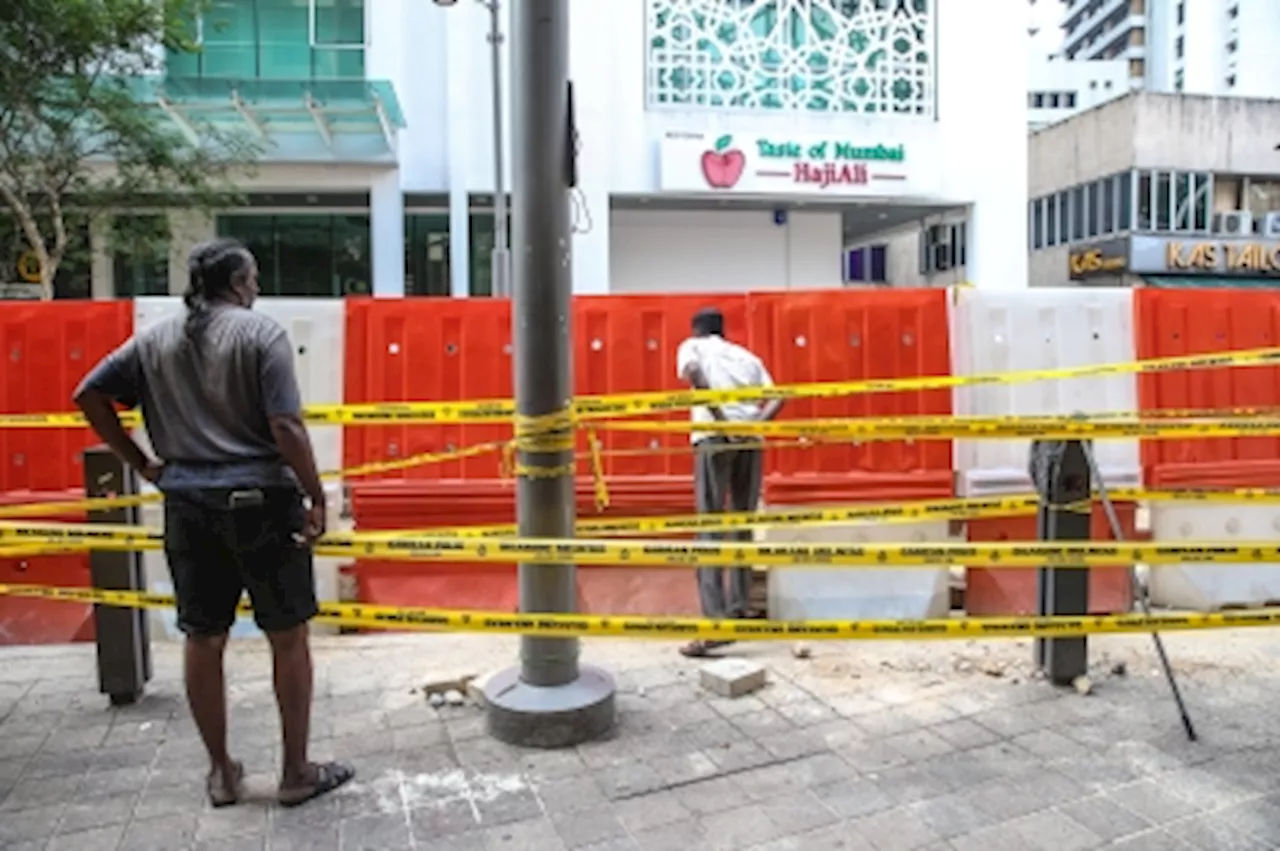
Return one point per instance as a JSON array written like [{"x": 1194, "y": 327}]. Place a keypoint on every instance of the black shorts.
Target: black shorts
[{"x": 221, "y": 542}]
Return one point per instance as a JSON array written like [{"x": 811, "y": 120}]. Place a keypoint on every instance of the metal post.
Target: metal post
[
  {"x": 124, "y": 642},
  {"x": 500, "y": 259},
  {"x": 549, "y": 701},
  {"x": 1060, "y": 472}
]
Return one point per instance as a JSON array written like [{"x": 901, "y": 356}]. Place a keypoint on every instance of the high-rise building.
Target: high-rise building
[
  {"x": 1058, "y": 88},
  {"x": 1211, "y": 47}
]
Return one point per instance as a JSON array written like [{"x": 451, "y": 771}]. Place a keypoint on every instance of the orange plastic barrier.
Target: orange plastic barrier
[
  {"x": 849, "y": 335},
  {"x": 426, "y": 349},
  {"x": 439, "y": 349},
  {"x": 28, "y": 621},
  {"x": 1014, "y": 592},
  {"x": 48, "y": 347},
  {"x": 418, "y": 504},
  {"x": 1181, "y": 322},
  {"x": 442, "y": 349},
  {"x": 628, "y": 343}
]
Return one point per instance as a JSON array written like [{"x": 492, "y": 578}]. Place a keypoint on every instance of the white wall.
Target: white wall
[
  {"x": 976, "y": 145},
  {"x": 438, "y": 59},
  {"x": 1093, "y": 82},
  {"x": 1258, "y": 62},
  {"x": 723, "y": 251}
]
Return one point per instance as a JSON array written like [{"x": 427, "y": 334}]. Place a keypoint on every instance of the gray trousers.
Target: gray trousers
[{"x": 725, "y": 477}]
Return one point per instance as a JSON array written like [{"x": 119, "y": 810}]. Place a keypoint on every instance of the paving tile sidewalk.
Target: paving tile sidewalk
[{"x": 880, "y": 747}]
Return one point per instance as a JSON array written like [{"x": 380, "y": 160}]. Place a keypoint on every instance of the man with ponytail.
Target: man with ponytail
[{"x": 243, "y": 500}]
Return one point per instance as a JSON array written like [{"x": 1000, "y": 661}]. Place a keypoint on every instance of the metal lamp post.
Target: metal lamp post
[{"x": 549, "y": 700}]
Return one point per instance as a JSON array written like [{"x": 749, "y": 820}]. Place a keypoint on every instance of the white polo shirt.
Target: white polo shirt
[{"x": 726, "y": 366}]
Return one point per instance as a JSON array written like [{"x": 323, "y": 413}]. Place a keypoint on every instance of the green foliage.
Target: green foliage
[{"x": 75, "y": 138}]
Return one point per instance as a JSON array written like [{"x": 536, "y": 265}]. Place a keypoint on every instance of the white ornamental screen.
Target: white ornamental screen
[{"x": 859, "y": 56}]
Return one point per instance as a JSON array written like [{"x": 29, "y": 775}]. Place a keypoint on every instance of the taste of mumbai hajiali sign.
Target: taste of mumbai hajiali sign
[{"x": 729, "y": 163}]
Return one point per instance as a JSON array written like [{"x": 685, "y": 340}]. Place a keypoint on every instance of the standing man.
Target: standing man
[
  {"x": 221, "y": 405},
  {"x": 726, "y": 469}
]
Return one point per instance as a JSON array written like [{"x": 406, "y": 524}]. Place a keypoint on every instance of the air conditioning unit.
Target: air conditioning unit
[
  {"x": 1233, "y": 222},
  {"x": 1271, "y": 225}
]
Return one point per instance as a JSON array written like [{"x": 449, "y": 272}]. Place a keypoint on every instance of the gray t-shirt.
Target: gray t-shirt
[{"x": 206, "y": 400}]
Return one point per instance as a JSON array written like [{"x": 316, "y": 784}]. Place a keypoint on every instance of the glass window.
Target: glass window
[
  {"x": 339, "y": 22},
  {"x": 1037, "y": 223},
  {"x": 1162, "y": 202},
  {"x": 1203, "y": 194},
  {"x": 482, "y": 253},
  {"x": 1064, "y": 217},
  {"x": 1124, "y": 202},
  {"x": 426, "y": 254},
  {"x": 306, "y": 254},
  {"x": 1109, "y": 205},
  {"x": 857, "y": 264},
  {"x": 1091, "y": 208},
  {"x": 273, "y": 40},
  {"x": 1051, "y": 220},
  {"x": 74, "y": 275},
  {"x": 1077, "y": 213},
  {"x": 1144, "y": 200},
  {"x": 139, "y": 250},
  {"x": 1183, "y": 201},
  {"x": 879, "y": 263}
]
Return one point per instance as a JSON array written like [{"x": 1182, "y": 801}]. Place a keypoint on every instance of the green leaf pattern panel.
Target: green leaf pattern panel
[{"x": 868, "y": 56}]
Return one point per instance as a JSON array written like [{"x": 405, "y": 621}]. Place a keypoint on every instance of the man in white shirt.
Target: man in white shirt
[{"x": 727, "y": 470}]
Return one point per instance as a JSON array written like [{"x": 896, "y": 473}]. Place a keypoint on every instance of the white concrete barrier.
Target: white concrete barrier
[
  {"x": 800, "y": 593},
  {"x": 317, "y": 329},
  {"x": 1209, "y": 587},
  {"x": 997, "y": 331}
]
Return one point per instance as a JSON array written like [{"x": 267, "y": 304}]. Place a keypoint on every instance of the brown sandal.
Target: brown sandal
[
  {"x": 224, "y": 791},
  {"x": 329, "y": 776}
]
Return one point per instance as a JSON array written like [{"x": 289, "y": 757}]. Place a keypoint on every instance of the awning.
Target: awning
[
  {"x": 1209, "y": 282},
  {"x": 295, "y": 119}
]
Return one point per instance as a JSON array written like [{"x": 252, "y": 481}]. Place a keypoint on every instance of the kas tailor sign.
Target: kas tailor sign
[{"x": 743, "y": 163}]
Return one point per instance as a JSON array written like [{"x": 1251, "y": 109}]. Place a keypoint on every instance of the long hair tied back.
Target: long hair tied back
[{"x": 210, "y": 269}]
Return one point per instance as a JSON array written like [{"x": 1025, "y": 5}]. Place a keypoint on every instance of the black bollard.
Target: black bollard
[
  {"x": 1060, "y": 472},
  {"x": 124, "y": 642}
]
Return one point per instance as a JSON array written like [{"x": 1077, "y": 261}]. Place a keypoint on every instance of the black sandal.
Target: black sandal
[
  {"x": 329, "y": 776},
  {"x": 224, "y": 791},
  {"x": 699, "y": 649}
]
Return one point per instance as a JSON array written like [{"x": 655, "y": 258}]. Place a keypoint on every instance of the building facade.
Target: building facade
[
  {"x": 1211, "y": 47},
  {"x": 1158, "y": 190},
  {"x": 1060, "y": 88},
  {"x": 722, "y": 145}
]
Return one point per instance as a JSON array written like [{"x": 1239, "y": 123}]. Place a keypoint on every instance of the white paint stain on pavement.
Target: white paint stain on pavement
[{"x": 398, "y": 791}]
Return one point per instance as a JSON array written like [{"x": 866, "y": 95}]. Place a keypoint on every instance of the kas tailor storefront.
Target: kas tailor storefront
[
  {"x": 1170, "y": 262},
  {"x": 765, "y": 210}
]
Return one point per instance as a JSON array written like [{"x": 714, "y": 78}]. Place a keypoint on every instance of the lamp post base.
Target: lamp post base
[{"x": 518, "y": 713}]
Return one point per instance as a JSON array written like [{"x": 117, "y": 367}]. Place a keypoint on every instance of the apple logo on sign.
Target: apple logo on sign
[{"x": 723, "y": 165}]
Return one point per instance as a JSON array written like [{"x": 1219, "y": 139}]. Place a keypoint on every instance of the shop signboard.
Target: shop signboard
[
  {"x": 774, "y": 164},
  {"x": 1107, "y": 258},
  {"x": 1249, "y": 257}
]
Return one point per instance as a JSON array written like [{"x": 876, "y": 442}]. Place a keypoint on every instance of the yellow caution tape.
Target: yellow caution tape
[
  {"x": 634, "y": 404},
  {"x": 971, "y": 508},
  {"x": 683, "y": 554},
  {"x": 76, "y": 506},
  {"x": 632, "y": 626},
  {"x": 968, "y": 428},
  {"x": 905, "y": 512},
  {"x": 637, "y": 404}
]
